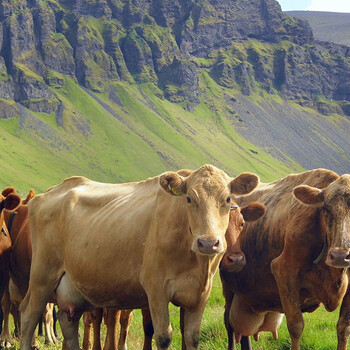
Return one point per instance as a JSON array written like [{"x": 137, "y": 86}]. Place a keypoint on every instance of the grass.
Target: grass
[{"x": 319, "y": 332}]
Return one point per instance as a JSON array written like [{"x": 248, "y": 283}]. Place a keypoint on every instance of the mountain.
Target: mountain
[
  {"x": 327, "y": 26},
  {"x": 120, "y": 90}
]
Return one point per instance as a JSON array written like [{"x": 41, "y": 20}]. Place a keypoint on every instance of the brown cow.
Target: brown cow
[
  {"x": 19, "y": 267},
  {"x": 100, "y": 244},
  {"x": 9, "y": 200},
  {"x": 304, "y": 237}
]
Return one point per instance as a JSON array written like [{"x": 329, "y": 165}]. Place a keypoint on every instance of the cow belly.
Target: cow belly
[
  {"x": 107, "y": 274},
  {"x": 246, "y": 322},
  {"x": 72, "y": 299}
]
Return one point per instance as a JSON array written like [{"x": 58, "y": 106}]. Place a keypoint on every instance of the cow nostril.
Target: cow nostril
[
  {"x": 217, "y": 244},
  {"x": 200, "y": 244},
  {"x": 347, "y": 257},
  {"x": 331, "y": 256}
]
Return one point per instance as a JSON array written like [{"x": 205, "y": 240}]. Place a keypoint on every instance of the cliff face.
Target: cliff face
[
  {"x": 248, "y": 45},
  {"x": 160, "y": 41}
]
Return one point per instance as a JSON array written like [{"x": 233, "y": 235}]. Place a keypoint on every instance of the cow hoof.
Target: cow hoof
[
  {"x": 124, "y": 347},
  {"x": 35, "y": 347}
]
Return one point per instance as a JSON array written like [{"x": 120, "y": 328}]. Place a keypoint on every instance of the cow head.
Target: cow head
[
  {"x": 334, "y": 202},
  {"x": 9, "y": 200},
  {"x": 234, "y": 258},
  {"x": 207, "y": 193}
]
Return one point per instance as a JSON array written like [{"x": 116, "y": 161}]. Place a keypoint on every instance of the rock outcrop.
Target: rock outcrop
[{"x": 247, "y": 45}]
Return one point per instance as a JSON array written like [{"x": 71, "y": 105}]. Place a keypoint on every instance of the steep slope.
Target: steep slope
[{"x": 327, "y": 26}]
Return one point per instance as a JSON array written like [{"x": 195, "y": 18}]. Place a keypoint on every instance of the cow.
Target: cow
[
  {"x": 19, "y": 267},
  {"x": 9, "y": 200},
  {"x": 101, "y": 244},
  {"x": 297, "y": 256}
]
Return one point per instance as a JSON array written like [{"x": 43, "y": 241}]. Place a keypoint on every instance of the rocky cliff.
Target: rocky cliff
[{"x": 247, "y": 45}]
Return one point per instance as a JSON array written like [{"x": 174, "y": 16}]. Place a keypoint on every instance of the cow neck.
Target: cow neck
[
  {"x": 9, "y": 225},
  {"x": 323, "y": 252},
  {"x": 325, "y": 244}
]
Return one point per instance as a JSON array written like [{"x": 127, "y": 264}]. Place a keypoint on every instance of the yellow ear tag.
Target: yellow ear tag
[{"x": 176, "y": 193}]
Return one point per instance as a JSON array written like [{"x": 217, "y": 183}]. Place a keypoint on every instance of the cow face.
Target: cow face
[
  {"x": 234, "y": 259},
  {"x": 334, "y": 202},
  {"x": 207, "y": 195}
]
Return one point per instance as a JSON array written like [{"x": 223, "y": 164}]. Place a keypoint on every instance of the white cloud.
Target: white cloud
[{"x": 331, "y": 6}]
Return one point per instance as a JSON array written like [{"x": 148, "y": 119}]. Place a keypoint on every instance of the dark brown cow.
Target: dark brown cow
[
  {"x": 20, "y": 261},
  {"x": 305, "y": 238},
  {"x": 9, "y": 200}
]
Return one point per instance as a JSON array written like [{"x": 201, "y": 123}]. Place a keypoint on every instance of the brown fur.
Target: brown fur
[
  {"x": 290, "y": 237},
  {"x": 20, "y": 259}
]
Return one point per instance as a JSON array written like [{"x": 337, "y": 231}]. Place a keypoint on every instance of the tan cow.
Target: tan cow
[
  {"x": 133, "y": 245},
  {"x": 298, "y": 256}
]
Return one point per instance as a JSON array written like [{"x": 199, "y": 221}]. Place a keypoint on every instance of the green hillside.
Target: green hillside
[{"x": 138, "y": 136}]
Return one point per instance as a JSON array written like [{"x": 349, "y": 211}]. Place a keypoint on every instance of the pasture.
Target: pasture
[{"x": 319, "y": 332}]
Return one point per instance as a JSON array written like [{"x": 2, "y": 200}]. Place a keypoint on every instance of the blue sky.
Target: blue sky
[{"x": 316, "y": 5}]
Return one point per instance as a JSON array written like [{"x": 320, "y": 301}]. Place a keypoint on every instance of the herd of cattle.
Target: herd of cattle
[{"x": 94, "y": 248}]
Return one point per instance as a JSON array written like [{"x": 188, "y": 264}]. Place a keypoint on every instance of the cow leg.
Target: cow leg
[
  {"x": 287, "y": 283},
  {"x": 31, "y": 308},
  {"x": 228, "y": 301},
  {"x": 70, "y": 329},
  {"x": 16, "y": 320},
  {"x": 111, "y": 318},
  {"x": 5, "y": 337},
  {"x": 50, "y": 337},
  {"x": 192, "y": 324},
  {"x": 97, "y": 314},
  {"x": 125, "y": 322},
  {"x": 147, "y": 329},
  {"x": 87, "y": 320},
  {"x": 343, "y": 326},
  {"x": 159, "y": 308},
  {"x": 182, "y": 327}
]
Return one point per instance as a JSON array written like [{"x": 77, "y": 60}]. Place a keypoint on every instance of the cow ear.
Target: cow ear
[
  {"x": 253, "y": 211},
  {"x": 31, "y": 194},
  {"x": 7, "y": 191},
  {"x": 185, "y": 172},
  {"x": 244, "y": 183},
  {"x": 12, "y": 201},
  {"x": 173, "y": 183},
  {"x": 309, "y": 195}
]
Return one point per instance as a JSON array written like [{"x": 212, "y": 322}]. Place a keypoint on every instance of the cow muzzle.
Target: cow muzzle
[
  {"x": 338, "y": 257},
  {"x": 208, "y": 246},
  {"x": 233, "y": 262}
]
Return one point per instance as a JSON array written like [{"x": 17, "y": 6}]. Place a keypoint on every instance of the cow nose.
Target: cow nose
[
  {"x": 208, "y": 247},
  {"x": 233, "y": 262},
  {"x": 338, "y": 257}
]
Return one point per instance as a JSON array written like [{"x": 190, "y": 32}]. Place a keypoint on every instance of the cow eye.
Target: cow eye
[
  {"x": 188, "y": 199},
  {"x": 228, "y": 199}
]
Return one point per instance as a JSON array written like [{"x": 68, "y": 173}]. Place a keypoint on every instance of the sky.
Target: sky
[{"x": 316, "y": 5}]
